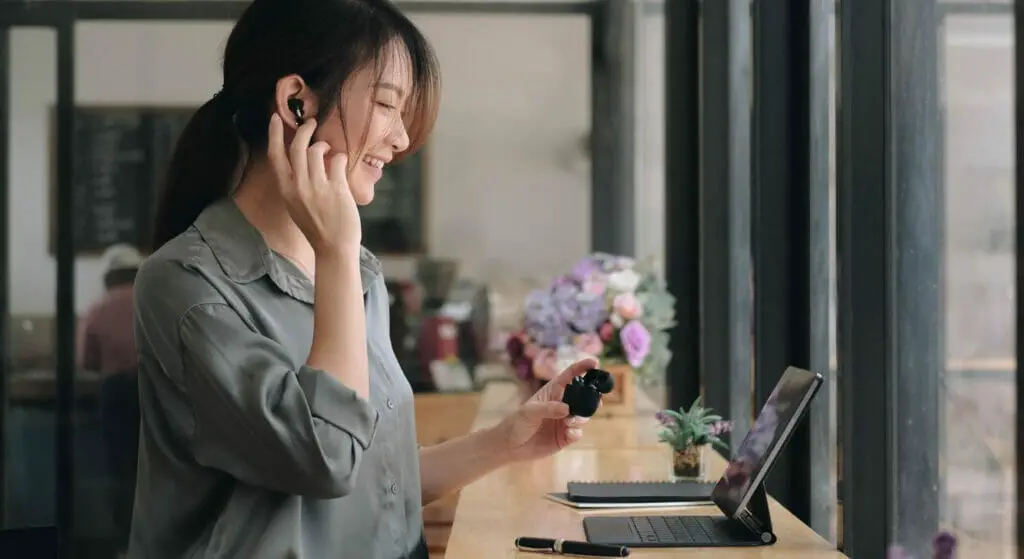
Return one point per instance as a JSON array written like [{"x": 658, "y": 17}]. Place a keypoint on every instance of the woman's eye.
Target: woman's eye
[{"x": 386, "y": 106}]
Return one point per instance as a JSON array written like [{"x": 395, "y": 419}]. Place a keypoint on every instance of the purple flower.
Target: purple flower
[
  {"x": 543, "y": 322},
  {"x": 636, "y": 342},
  {"x": 665, "y": 419},
  {"x": 523, "y": 368},
  {"x": 515, "y": 347},
  {"x": 584, "y": 269},
  {"x": 944, "y": 546},
  {"x": 563, "y": 280},
  {"x": 719, "y": 428},
  {"x": 583, "y": 311}
]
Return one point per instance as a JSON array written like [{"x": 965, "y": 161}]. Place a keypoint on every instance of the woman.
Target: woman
[{"x": 276, "y": 421}]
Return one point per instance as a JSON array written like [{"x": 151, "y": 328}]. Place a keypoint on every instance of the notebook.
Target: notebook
[
  {"x": 640, "y": 491},
  {"x": 596, "y": 506}
]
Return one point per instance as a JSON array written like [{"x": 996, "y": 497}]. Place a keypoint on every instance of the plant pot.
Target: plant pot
[{"x": 689, "y": 464}]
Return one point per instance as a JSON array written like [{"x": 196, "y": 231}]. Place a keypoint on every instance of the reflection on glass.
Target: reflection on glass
[
  {"x": 977, "y": 92},
  {"x": 30, "y": 427}
]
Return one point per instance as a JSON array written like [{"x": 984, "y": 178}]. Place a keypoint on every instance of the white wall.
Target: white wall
[{"x": 509, "y": 190}]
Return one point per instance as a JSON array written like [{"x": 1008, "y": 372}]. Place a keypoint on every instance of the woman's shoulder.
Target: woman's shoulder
[{"x": 179, "y": 275}]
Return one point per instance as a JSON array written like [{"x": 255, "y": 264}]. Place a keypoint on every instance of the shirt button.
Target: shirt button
[
  {"x": 391, "y": 404},
  {"x": 394, "y": 489}
]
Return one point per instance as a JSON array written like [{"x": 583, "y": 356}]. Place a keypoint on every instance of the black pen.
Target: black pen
[{"x": 567, "y": 547}]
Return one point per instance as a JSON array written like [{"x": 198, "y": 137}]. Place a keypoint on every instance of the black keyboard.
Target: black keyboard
[{"x": 700, "y": 530}]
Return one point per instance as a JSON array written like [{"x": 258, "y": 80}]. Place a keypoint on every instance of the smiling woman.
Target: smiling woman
[
  {"x": 276, "y": 420},
  {"x": 264, "y": 399}
]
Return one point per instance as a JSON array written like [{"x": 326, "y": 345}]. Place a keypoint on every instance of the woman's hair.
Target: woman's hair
[{"x": 324, "y": 42}]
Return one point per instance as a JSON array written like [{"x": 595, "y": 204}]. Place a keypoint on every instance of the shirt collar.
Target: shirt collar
[{"x": 244, "y": 255}]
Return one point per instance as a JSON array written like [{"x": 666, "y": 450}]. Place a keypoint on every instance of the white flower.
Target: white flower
[
  {"x": 616, "y": 320},
  {"x": 623, "y": 281}
]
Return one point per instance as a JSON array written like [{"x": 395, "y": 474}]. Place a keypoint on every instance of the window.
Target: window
[{"x": 976, "y": 92}]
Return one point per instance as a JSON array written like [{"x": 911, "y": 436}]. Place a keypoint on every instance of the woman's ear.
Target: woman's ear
[{"x": 294, "y": 102}]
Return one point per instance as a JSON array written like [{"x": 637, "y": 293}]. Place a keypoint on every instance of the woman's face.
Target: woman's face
[{"x": 372, "y": 104}]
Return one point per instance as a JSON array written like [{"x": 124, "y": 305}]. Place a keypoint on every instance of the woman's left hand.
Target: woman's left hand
[{"x": 542, "y": 425}]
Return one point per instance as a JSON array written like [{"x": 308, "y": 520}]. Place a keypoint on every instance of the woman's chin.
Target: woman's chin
[{"x": 363, "y": 195}]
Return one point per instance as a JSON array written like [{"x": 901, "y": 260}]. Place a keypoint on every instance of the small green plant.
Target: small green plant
[{"x": 694, "y": 427}]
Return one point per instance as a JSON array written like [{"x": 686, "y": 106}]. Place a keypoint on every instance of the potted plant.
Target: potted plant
[
  {"x": 688, "y": 433},
  {"x": 606, "y": 306}
]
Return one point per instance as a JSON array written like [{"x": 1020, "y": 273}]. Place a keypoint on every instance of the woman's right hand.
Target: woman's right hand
[{"x": 316, "y": 194}]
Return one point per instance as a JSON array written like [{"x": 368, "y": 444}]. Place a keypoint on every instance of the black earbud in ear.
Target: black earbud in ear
[
  {"x": 583, "y": 394},
  {"x": 295, "y": 106}
]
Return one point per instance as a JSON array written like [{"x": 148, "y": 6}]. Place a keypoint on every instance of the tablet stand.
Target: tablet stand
[{"x": 756, "y": 517}]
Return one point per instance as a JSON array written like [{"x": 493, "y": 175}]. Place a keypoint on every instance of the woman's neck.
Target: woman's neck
[{"x": 258, "y": 200}]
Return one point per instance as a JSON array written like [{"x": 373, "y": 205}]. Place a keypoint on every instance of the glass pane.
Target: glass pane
[
  {"x": 833, "y": 359},
  {"x": 131, "y": 105},
  {"x": 30, "y": 427},
  {"x": 649, "y": 90},
  {"x": 977, "y": 63}
]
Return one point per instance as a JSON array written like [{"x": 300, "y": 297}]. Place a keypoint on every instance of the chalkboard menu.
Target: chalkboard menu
[
  {"x": 120, "y": 157},
  {"x": 122, "y": 153},
  {"x": 393, "y": 223}
]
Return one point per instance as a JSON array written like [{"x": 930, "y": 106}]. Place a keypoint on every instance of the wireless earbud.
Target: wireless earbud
[
  {"x": 583, "y": 394},
  {"x": 295, "y": 106}
]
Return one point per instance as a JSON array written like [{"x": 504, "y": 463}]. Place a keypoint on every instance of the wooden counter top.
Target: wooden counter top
[{"x": 510, "y": 502}]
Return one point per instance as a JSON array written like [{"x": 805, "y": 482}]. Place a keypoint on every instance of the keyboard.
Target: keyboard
[{"x": 689, "y": 530}]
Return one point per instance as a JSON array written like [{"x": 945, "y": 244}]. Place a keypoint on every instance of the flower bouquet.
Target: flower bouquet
[{"x": 606, "y": 307}]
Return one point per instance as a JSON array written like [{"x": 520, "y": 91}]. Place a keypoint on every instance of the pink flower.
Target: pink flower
[
  {"x": 589, "y": 343},
  {"x": 636, "y": 342},
  {"x": 545, "y": 366},
  {"x": 595, "y": 285},
  {"x": 626, "y": 306},
  {"x": 606, "y": 332}
]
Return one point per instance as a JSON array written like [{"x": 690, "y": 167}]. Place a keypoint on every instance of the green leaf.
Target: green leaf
[
  {"x": 715, "y": 441},
  {"x": 676, "y": 415}
]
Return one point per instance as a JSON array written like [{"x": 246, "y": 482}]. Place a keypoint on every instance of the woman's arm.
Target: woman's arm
[
  {"x": 539, "y": 427},
  {"x": 248, "y": 409},
  {"x": 446, "y": 467},
  {"x": 339, "y": 320}
]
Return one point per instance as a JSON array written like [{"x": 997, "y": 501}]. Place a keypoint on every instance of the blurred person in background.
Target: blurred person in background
[{"x": 106, "y": 345}]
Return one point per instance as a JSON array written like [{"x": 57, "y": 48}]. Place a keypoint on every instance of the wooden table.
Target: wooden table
[{"x": 510, "y": 502}]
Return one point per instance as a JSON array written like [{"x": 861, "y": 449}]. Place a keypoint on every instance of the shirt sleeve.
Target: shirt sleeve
[{"x": 298, "y": 431}]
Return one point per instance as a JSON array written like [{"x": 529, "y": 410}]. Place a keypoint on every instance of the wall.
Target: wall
[{"x": 509, "y": 190}]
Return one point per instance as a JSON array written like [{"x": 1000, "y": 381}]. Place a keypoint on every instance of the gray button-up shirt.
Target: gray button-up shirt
[{"x": 246, "y": 452}]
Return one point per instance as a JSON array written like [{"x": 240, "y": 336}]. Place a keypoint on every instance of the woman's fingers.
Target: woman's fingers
[
  {"x": 276, "y": 152},
  {"x": 299, "y": 147},
  {"x": 317, "y": 169},
  {"x": 338, "y": 170}
]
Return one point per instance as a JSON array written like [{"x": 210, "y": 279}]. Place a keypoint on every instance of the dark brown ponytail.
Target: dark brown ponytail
[{"x": 201, "y": 169}]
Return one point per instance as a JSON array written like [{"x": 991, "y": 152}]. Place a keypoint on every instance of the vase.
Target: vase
[
  {"x": 621, "y": 401},
  {"x": 688, "y": 463}
]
